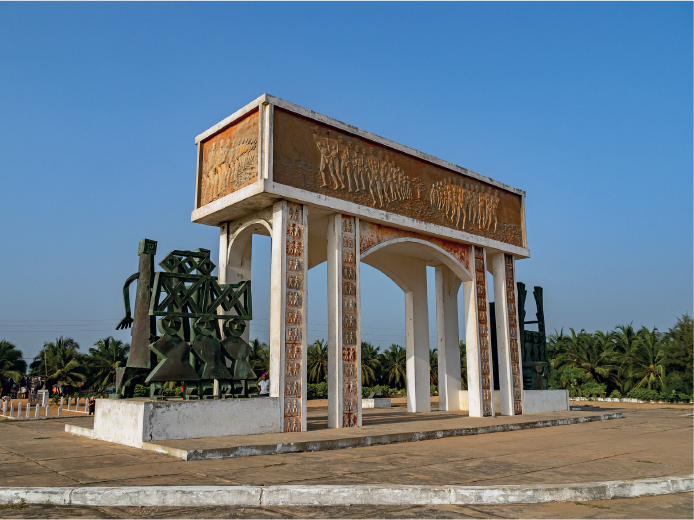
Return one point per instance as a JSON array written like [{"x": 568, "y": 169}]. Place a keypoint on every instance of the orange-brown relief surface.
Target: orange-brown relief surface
[
  {"x": 230, "y": 159},
  {"x": 370, "y": 235},
  {"x": 321, "y": 159}
]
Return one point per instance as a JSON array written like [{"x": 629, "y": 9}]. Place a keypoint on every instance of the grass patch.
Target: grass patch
[
  {"x": 280, "y": 464},
  {"x": 596, "y": 506},
  {"x": 15, "y": 505},
  {"x": 39, "y": 438},
  {"x": 646, "y": 461}
]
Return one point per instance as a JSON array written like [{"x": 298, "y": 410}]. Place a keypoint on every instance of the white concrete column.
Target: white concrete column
[
  {"x": 447, "y": 285},
  {"x": 417, "y": 334},
  {"x": 507, "y": 340},
  {"x": 235, "y": 266},
  {"x": 344, "y": 327},
  {"x": 288, "y": 302},
  {"x": 477, "y": 341}
]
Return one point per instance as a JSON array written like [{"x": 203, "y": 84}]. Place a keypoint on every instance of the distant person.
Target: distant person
[
  {"x": 263, "y": 385},
  {"x": 92, "y": 404}
]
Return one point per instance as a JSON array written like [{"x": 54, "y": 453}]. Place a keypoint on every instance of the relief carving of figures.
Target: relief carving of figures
[
  {"x": 350, "y": 169},
  {"x": 229, "y": 165},
  {"x": 513, "y": 333},
  {"x": 349, "y": 316},
  {"x": 482, "y": 330},
  {"x": 294, "y": 318},
  {"x": 466, "y": 205}
]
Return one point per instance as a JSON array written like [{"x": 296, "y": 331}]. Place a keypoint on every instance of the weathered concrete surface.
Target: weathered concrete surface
[
  {"x": 336, "y": 495},
  {"x": 257, "y": 445},
  {"x": 376, "y": 402},
  {"x": 662, "y": 506},
  {"x": 542, "y": 401},
  {"x": 133, "y": 422},
  {"x": 40, "y": 453}
]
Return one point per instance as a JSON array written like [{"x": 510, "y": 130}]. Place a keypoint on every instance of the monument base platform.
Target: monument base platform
[
  {"x": 376, "y": 402},
  {"x": 534, "y": 401},
  {"x": 134, "y": 422}
]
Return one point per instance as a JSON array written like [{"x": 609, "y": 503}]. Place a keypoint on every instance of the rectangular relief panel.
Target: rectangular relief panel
[
  {"x": 229, "y": 159},
  {"x": 320, "y": 159}
]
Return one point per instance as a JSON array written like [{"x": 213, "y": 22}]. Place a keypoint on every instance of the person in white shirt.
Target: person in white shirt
[{"x": 263, "y": 385}]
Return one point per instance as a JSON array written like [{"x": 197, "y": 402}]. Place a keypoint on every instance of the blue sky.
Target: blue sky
[{"x": 585, "y": 106}]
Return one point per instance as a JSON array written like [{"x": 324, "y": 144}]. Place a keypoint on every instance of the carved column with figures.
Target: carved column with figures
[
  {"x": 477, "y": 339},
  {"x": 344, "y": 331},
  {"x": 288, "y": 313}
]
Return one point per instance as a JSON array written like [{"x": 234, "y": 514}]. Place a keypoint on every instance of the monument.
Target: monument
[
  {"x": 329, "y": 192},
  {"x": 324, "y": 191}
]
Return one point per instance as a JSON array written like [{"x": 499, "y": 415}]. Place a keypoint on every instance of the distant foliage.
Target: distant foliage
[{"x": 624, "y": 362}]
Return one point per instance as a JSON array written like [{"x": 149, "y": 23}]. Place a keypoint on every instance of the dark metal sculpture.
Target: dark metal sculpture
[
  {"x": 190, "y": 347},
  {"x": 533, "y": 344}
]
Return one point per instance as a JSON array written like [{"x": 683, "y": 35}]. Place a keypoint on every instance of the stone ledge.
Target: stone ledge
[
  {"x": 197, "y": 496},
  {"x": 364, "y": 441}
]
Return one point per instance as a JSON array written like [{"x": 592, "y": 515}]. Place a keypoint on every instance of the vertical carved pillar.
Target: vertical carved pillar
[
  {"x": 344, "y": 334},
  {"x": 480, "y": 377},
  {"x": 514, "y": 341},
  {"x": 288, "y": 313}
]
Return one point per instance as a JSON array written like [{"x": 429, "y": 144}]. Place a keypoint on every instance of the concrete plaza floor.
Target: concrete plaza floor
[{"x": 645, "y": 443}]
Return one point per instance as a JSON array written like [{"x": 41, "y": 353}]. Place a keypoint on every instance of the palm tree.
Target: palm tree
[
  {"x": 11, "y": 363},
  {"x": 64, "y": 363},
  {"x": 259, "y": 357},
  {"x": 394, "y": 363},
  {"x": 650, "y": 360},
  {"x": 592, "y": 353},
  {"x": 370, "y": 364},
  {"x": 109, "y": 354},
  {"x": 434, "y": 366},
  {"x": 317, "y": 367}
]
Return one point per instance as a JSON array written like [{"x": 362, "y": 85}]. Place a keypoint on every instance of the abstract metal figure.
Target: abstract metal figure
[
  {"x": 533, "y": 344},
  {"x": 190, "y": 303}
]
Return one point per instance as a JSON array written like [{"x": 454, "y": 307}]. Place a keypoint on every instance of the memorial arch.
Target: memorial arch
[{"x": 327, "y": 191}]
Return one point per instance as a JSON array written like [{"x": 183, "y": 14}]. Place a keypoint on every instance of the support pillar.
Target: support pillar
[
  {"x": 288, "y": 301},
  {"x": 447, "y": 285},
  {"x": 344, "y": 327},
  {"x": 417, "y": 334},
  {"x": 236, "y": 267},
  {"x": 507, "y": 340},
  {"x": 477, "y": 341}
]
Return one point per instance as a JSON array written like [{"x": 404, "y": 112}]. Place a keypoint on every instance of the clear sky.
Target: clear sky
[{"x": 585, "y": 106}]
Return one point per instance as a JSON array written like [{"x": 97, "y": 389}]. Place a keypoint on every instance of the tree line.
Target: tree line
[{"x": 642, "y": 363}]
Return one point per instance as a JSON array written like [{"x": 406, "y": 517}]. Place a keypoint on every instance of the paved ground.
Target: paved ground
[
  {"x": 668, "y": 506},
  {"x": 646, "y": 443}
]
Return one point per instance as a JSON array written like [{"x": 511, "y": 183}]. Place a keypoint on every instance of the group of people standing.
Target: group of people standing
[
  {"x": 228, "y": 163},
  {"x": 466, "y": 202},
  {"x": 349, "y": 166},
  {"x": 23, "y": 387}
]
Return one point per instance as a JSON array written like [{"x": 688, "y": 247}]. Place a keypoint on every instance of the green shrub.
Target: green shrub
[
  {"x": 616, "y": 394},
  {"x": 172, "y": 392},
  {"x": 643, "y": 394},
  {"x": 433, "y": 389},
  {"x": 317, "y": 391},
  {"x": 140, "y": 391}
]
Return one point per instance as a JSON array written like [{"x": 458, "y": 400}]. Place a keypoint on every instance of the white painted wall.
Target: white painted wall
[
  {"x": 539, "y": 401},
  {"x": 134, "y": 422},
  {"x": 534, "y": 401}
]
